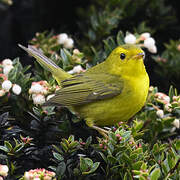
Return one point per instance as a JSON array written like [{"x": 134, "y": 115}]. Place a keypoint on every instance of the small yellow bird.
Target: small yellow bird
[{"x": 105, "y": 94}]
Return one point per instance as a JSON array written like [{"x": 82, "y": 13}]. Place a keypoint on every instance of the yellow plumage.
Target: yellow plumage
[{"x": 105, "y": 94}]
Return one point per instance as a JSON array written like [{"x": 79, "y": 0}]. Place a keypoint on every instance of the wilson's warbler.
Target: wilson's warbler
[{"x": 105, "y": 94}]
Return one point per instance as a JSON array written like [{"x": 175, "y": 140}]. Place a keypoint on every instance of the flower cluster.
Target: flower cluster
[
  {"x": 5, "y": 84},
  {"x": 65, "y": 40},
  {"x": 40, "y": 91},
  {"x": 168, "y": 106},
  {"x": 144, "y": 40},
  {"x": 3, "y": 171},
  {"x": 39, "y": 174}
]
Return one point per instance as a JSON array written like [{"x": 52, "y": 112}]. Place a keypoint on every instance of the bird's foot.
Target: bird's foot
[{"x": 102, "y": 131}]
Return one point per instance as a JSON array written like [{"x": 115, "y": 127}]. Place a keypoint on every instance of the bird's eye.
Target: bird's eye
[{"x": 122, "y": 56}]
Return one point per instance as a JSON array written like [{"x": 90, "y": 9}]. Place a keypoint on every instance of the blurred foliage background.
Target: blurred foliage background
[{"x": 89, "y": 23}]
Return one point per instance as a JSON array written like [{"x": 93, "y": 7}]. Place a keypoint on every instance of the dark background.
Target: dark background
[{"x": 20, "y": 21}]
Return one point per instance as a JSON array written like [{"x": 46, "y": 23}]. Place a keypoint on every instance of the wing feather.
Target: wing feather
[{"x": 85, "y": 88}]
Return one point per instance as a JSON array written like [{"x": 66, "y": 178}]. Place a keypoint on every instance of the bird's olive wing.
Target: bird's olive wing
[{"x": 83, "y": 89}]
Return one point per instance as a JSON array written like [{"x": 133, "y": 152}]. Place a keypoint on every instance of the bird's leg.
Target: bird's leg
[{"x": 102, "y": 131}]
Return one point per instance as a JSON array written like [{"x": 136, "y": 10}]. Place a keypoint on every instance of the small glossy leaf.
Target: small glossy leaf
[
  {"x": 155, "y": 174},
  {"x": 137, "y": 165},
  {"x": 85, "y": 164},
  {"x": 93, "y": 168},
  {"x": 4, "y": 148},
  {"x": 58, "y": 156}
]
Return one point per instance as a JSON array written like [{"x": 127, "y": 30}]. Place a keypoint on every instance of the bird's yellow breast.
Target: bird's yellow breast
[{"x": 119, "y": 108}]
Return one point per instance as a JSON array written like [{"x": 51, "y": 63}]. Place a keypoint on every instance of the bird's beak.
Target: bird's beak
[{"x": 140, "y": 55}]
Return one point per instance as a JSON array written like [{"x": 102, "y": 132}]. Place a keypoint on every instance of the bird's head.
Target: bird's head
[{"x": 127, "y": 59}]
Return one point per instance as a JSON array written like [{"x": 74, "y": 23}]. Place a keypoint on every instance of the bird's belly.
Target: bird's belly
[{"x": 119, "y": 108}]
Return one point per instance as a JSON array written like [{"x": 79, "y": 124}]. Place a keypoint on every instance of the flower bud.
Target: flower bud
[
  {"x": 76, "y": 69},
  {"x": 160, "y": 113},
  {"x": 7, "y": 62},
  {"x": 69, "y": 43},
  {"x": 152, "y": 49},
  {"x": 151, "y": 88},
  {"x": 149, "y": 42},
  {"x": 76, "y": 51},
  {"x": 4, "y": 170},
  {"x": 130, "y": 39},
  {"x": 36, "y": 88},
  {"x": 7, "y": 69},
  {"x": 145, "y": 35},
  {"x": 38, "y": 99},
  {"x": 176, "y": 123},
  {"x": 2, "y": 92},
  {"x": 16, "y": 89},
  {"x": 62, "y": 38},
  {"x": 6, "y": 85}
]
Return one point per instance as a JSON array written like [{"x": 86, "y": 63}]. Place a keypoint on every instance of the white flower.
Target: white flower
[
  {"x": 145, "y": 35},
  {"x": 149, "y": 42},
  {"x": 2, "y": 92},
  {"x": 160, "y": 113},
  {"x": 36, "y": 88},
  {"x": 76, "y": 51},
  {"x": 7, "y": 62},
  {"x": 62, "y": 38},
  {"x": 176, "y": 123},
  {"x": 130, "y": 39},
  {"x": 50, "y": 96},
  {"x": 4, "y": 170},
  {"x": 76, "y": 69},
  {"x": 69, "y": 43},
  {"x": 152, "y": 49},
  {"x": 38, "y": 99},
  {"x": 6, "y": 85},
  {"x": 7, "y": 69},
  {"x": 16, "y": 89}
]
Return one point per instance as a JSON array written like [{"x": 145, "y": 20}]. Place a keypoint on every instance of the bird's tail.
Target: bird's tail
[{"x": 58, "y": 73}]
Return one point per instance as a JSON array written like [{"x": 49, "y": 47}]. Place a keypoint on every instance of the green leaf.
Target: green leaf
[
  {"x": 61, "y": 169},
  {"x": 111, "y": 159},
  {"x": 85, "y": 164},
  {"x": 120, "y": 38},
  {"x": 64, "y": 57},
  {"x": 4, "y": 148},
  {"x": 58, "y": 156},
  {"x": 171, "y": 161},
  {"x": 2, "y": 156},
  {"x": 88, "y": 141},
  {"x": 71, "y": 138},
  {"x": 177, "y": 144},
  {"x": 64, "y": 146},
  {"x": 155, "y": 174},
  {"x": 137, "y": 165},
  {"x": 103, "y": 156},
  {"x": 73, "y": 144},
  {"x": 18, "y": 147},
  {"x": 171, "y": 93},
  {"x": 93, "y": 168},
  {"x": 8, "y": 145}
]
